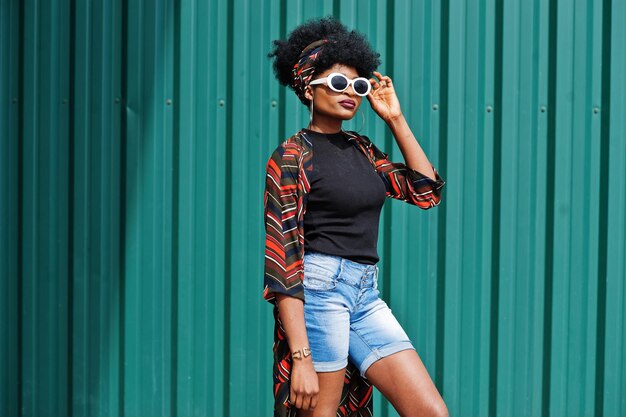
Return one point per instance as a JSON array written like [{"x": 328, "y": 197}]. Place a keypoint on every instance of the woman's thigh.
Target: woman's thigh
[
  {"x": 331, "y": 387},
  {"x": 404, "y": 381}
]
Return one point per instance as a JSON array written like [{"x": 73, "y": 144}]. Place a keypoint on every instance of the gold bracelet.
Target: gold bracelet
[{"x": 301, "y": 353}]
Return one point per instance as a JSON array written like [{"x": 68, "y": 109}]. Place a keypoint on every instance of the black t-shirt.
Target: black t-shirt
[{"x": 345, "y": 200}]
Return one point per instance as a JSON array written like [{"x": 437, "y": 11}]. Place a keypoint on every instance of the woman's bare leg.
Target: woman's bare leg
[
  {"x": 404, "y": 381},
  {"x": 331, "y": 386}
]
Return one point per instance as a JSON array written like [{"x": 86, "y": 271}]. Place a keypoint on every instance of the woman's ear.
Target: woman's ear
[{"x": 308, "y": 93}]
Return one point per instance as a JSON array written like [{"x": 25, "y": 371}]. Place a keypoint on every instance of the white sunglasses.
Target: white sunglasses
[{"x": 340, "y": 83}]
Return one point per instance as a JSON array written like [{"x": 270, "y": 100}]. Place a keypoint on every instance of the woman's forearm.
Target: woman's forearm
[
  {"x": 291, "y": 313},
  {"x": 413, "y": 154},
  {"x": 304, "y": 386}
]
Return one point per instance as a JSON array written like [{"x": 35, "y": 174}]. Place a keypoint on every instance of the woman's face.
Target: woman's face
[{"x": 331, "y": 104}]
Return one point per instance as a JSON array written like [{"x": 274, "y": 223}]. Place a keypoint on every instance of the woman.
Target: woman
[{"x": 325, "y": 188}]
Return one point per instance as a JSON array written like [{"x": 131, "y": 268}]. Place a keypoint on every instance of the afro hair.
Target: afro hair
[{"x": 344, "y": 47}]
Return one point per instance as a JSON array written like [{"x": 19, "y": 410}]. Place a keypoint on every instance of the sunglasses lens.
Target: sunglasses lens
[
  {"x": 339, "y": 83},
  {"x": 361, "y": 86}
]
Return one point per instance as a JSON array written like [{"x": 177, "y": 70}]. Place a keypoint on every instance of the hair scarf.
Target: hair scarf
[{"x": 305, "y": 67}]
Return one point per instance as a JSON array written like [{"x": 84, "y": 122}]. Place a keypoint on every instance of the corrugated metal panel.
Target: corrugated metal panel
[
  {"x": 254, "y": 125},
  {"x": 577, "y": 170},
  {"x": 44, "y": 243},
  {"x": 611, "y": 384},
  {"x": 201, "y": 131},
  {"x": 468, "y": 140},
  {"x": 134, "y": 141},
  {"x": 9, "y": 206},
  {"x": 521, "y": 163},
  {"x": 97, "y": 285}
]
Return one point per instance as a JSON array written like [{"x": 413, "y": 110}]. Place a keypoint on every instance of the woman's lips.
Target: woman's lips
[{"x": 348, "y": 104}]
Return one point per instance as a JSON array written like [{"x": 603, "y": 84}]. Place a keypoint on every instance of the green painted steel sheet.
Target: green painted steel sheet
[
  {"x": 611, "y": 383},
  {"x": 96, "y": 335},
  {"x": 522, "y": 117},
  {"x": 9, "y": 207},
  {"x": 134, "y": 137},
  {"x": 201, "y": 130},
  {"x": 44, "y": 244}
]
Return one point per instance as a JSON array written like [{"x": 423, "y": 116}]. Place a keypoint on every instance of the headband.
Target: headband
[{"x": 305, "y": 67}]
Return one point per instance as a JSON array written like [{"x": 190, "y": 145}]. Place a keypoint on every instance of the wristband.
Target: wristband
[{"x": 301, "y": 353}]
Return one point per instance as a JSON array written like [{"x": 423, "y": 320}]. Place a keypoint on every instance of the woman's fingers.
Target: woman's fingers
[
  {"x": 303, "y": 401},
  {"x": 375, "y": 83},
  {"x": 383, "y": 81},
  {"x": 381, "y": 76}
]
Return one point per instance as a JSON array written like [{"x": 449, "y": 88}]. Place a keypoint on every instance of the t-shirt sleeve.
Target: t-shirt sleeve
[{"x": 283, "y": 251}]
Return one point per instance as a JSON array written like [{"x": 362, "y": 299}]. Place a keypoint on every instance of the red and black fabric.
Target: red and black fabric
[{"x": 304, "y": 68}]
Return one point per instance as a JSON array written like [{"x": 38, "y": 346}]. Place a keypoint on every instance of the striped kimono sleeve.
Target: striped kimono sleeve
[
  {"x": 406, "y": 184},
  {"x": 283, "y": 240}
]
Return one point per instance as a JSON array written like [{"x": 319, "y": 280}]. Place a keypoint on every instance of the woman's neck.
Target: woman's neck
[{"x": 325, "y": 124}]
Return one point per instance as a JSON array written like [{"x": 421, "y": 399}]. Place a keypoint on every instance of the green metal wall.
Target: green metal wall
[{"x": 133, "y": 142}]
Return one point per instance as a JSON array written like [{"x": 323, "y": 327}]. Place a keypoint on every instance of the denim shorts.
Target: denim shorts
[{"x": 345, "y": 318}]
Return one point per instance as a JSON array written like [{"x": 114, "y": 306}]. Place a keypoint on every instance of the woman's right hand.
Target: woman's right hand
[{"x": 304, "y": 384}]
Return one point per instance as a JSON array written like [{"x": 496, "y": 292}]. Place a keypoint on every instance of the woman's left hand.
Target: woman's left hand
[{"x": 383, "y": 98}]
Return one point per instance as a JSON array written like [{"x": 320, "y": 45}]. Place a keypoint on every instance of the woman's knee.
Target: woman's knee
[
  {"x": 436, "y": 409},
  {"x": 439, "y": 410}
]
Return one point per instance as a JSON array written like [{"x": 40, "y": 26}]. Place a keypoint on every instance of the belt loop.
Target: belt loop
[{"x": 340, "y": 266}]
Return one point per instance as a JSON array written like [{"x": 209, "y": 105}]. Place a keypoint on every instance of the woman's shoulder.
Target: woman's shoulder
[
  {"x": 299, "y": 139},
  {"x": 293, "y": 150}
]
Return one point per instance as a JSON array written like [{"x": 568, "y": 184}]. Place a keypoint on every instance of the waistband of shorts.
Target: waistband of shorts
[{"x": 342, "y": 262}]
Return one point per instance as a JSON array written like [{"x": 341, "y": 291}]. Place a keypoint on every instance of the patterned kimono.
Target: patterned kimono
[{"x": 286, "y": 193}]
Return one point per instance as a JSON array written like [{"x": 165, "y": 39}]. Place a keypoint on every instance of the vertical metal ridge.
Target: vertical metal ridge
[
  {"x": 496, "y": 201},
  {"x": 122, "y": 205},
  {"x": 387, "y": 214},
  {"x": 604, "y": 207},
  {"x": 282, "y": 114},
  {"x": 549, "y": 245},
  {"x": 228, "y": 203},
  {"x": 9, "y": 206},
  {"x": 337, "y": 8},
  {"x": 20, "y": 210},
  {"x": 70, "y": 214},
  {"x": 175, "y": 212},
  {"x": 441, "y": 223}
]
